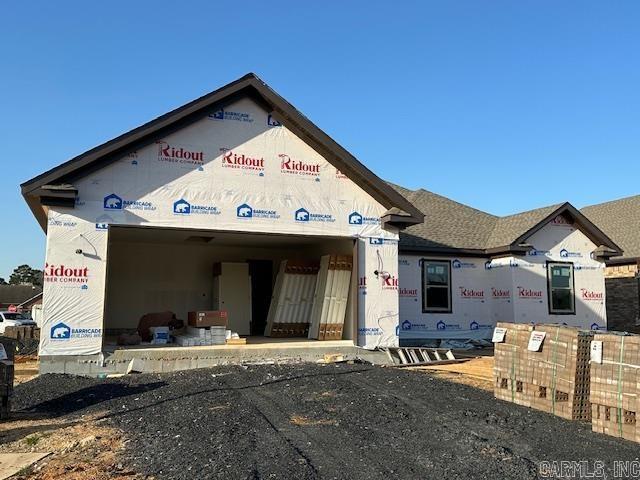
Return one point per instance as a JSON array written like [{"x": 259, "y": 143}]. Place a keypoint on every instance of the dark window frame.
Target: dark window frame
[
  {"x": 424, "y": 285},
  {"x": 549, "y": 263}
]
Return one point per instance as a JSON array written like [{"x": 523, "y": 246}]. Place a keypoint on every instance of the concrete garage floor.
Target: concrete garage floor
[{"x": 310, "y": 421}]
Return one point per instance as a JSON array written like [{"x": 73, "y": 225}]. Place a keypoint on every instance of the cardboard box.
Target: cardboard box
[{"x": 207, "y": 318}]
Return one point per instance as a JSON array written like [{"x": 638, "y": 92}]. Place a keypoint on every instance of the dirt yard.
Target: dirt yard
[{"x": 294, "y": 421}]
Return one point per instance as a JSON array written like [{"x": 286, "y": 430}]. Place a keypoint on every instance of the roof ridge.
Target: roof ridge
[
  {"x": 611, "y": 201},
  {"x": 456, "y": 202}
]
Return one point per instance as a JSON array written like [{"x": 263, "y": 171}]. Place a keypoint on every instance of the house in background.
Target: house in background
[
  {"x": 462, "y": 270},
  {"x": 620, "y": 219},
  {"x": 17, "y": 295}
]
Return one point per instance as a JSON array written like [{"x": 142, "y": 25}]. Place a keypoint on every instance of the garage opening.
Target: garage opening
[{"x": 160, "y": 275}]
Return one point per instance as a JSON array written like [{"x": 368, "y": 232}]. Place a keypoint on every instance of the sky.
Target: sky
[{"x": 503, "y": 105}]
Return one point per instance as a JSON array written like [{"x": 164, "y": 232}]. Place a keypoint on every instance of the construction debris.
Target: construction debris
[{"x": 415, "y": 356}]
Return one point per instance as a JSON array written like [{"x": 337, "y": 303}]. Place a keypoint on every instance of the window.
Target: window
[
  {"x": 560, "y": 288},
  {"x": 436, "y": 286}
]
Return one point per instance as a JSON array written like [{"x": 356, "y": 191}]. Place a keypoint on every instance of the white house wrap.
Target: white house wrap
[
  {"x": 234, "y": 169},
  {"x": 241, "y": 167}
]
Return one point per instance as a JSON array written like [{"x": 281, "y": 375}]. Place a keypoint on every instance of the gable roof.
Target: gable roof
[
  {"x": 620, "y": 219},
  {"x": 55, "y": 187},
  {"x": 450, "y": 227}
]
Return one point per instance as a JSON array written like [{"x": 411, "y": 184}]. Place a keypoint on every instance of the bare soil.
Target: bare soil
[{"x": 294, "y": 421}]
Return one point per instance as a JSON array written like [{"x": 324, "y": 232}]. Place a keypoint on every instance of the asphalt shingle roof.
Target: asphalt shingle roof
[
  {"x": 450, "y": 224},
  {"x": 620, "y": 220},
  {"x": 16, "y": 294}
]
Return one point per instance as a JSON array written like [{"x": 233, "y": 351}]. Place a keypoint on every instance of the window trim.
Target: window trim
[
  {"x": 449, "y": 309},
  {"x": 549, "y": 263}
]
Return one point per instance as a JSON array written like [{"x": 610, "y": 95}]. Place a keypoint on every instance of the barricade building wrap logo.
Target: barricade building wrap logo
[
  {"x": 246, "y": 211},
  {"x": 408, "y": 326},
  {"x": 182, "y": 155},
  {"x": 62, "y": 274},
  {"x": 538, "y": 253},
  {"x": 115, "y": 202},
  {"x": 356, "y": 218},
  {"x": 242, "y": 161},
  {"x": 564, "y": 253},
  {"x": 441, "y": 325},
  {"x": 112, "y": 202},
  {"x": 513, "y": 263},
  {"x": 223, "y": 114},
  {"x": 60, "y": 221},
  {"x": 291, "y": 166},
  {"x": 62, "y": 331},
  {"x": 102, "y": 222},
  {"x": 477, "y": 326},
  {"x": 490, "y": 265},
  {"x": 370, "y": 331},
  {"x": 182, "y": 207},
  {"x": 460, "y": 264},
  {"x": 303, "y": 215},
  {"x": 386, "y": 241}
]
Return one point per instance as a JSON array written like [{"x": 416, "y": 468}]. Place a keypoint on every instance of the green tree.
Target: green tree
[
  {"x": 3, "y": 281},
  {"x": 25, "y": 275}
]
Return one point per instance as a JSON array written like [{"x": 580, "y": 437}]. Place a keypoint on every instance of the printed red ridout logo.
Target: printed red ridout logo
[
  {"x": 590, "y": 295},
  {"x": 166, "y": 151},
  {"x": 390, "y": 283},
  {"x": 529, "y": 293},
  {"x": 500, "y": 293},
  {"x": 289, "y": 165},
  {"x": 471, "y": 293},
  {"x": 63, "y": 274},
  {"x": 234, "y": 160},
  {"x": 408, "y": 292}
]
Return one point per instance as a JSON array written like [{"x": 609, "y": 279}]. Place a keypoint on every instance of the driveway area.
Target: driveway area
[{"x": 308, "y": 422}]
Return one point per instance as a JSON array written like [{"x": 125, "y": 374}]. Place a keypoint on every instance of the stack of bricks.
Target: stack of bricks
[
  {"x": 554, "y": 379},
  {"x": 510, "y": 371},
  {"x": 615, "y": 384},
  {"x": 6, "y": 377}
]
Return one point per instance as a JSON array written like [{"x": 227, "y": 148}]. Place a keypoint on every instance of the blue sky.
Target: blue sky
[{"x": 503, "y": 105}]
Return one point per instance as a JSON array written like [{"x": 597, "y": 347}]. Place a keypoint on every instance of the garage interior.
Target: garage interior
[{"x": 151, "y": 269}]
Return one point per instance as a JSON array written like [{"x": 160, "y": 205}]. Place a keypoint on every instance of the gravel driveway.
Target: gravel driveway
[{"x": 312, "y": 421}]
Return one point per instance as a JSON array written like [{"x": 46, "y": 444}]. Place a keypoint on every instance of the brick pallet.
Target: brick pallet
[
  {"x": 554, "y": 379},
  {"x": 6, "y": 377},
  {"x": 615, "y": 384},
  {"x": 22, "y": 333}
]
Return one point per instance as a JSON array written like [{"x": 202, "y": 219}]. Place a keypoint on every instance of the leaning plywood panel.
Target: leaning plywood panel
[
  {"x": 331, "y": 296},
  {"x": 290, "y": 307}
]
